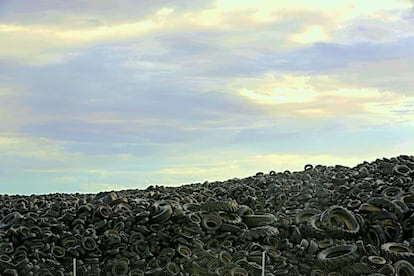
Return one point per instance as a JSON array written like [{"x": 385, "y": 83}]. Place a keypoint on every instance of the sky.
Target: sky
[{"x": 100, "y": 95}]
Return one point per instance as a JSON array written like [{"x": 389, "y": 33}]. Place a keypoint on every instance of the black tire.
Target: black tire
[
  {"x": 387, "y": 269},
  {"x": 317, "y": 272},
  {"x": 346, "y": 224},
  {"x": 6, "y": 247},
  {"x": 231, "y": 218},
  {"x": 258, "y": 220},
  {"x": 259, "y": 233},
  {"x": 375, "y": 235},
  {"x": 136, "y": 272},
  {"x": 315, "y": 230},
  {"x": 336, "y": 257},
  {"x": 120, "y": 268},
  {"x": 89, "y": 244},
  {"x": 304, "y": 216},
  {"x": 164, "y": 213},
  {"x": 401, "y": 170},
  {"x": 10, "y": 220},
  {"x": 403, "y": 268},
  {"x": 377, "y": 261},
  {"x": 222, "y": 205},
  {"x": 172, "y": 268},
  {"x": 397, "y": 251},
  {"x": 238, "y": 271},
  {"x": 387, "y": 204},
  {"x": 184, "y": 251},
  {"x": 211, "y": 222},
  {"x": 103, "y": 211},
  {"x": 58, "y": 252},
  {"x": 392, "y": 193}
]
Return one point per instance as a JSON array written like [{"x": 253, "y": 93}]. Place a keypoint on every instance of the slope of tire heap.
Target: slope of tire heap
[{"x": 320, "y": 221}]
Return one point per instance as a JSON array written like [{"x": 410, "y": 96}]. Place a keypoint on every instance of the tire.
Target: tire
[
  {"x": 315, "y": 230},
  {"x": 58, "y": 252},
  {"x": 6, "y": 248},
  {"x": 89, "y": 244},
  {"x": 164, "y": 213},
  {"x": 397, "y": 251},
  {"x": 304, "y": 216},
  {"x": 258, "y": 220},
  {"x": 211, "y": 222},
  {"x": 10, "y": 220},
  {"x": 184, "y": 251},
  {"x": 120, "y": 268},
  {"x": 222, "y": 205},
  {"x": 392, "y": 193},
  {"x": 172, "y": 268},
  {"x": 259, "y": 233},
  {"x": 238, "y": 271},
  {"x": 403, "y": 268},
  {"x": 375, "y": 235},
  {"x": 401, "y": 170},
  {"x": 377, "y": 261},
  {"x": 348, "y": 225},
  {"x": 388, "y": 205},
  {"x": 336, "y": 257}
]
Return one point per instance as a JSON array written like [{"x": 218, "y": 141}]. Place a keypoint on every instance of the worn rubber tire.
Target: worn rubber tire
[
  {"x": 258, "y": 220},
  {"x": 315, "y": 229},
  {"x": 10, "y": 220},
  {"x": 211, "y": 221},
  {"x": 349, "y": 225},
  {"x": 164, "y": 213},
  {"x": 388, "y": 205},
  {"x": 120, "y": 268},
  {"x": 337, "y": 256},
  {"x": 377, "y": 261},
  {"x": 397, "y": 251},
  {"x": 222, "y": 205},
  {"x": 403, "y": 268}
]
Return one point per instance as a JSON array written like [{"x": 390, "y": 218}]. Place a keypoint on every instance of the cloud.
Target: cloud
[
  {"x": 321, "y": 57},
  {"x": 34, "y": 148},
  {"x": 310, "y": 35},
  {"x": 115, "y": 98},
  {"x": 105, "y": 10},
  {"x": 282, "y": 89},
  {"x": 388, "y": 74},
  {"x": 52, "y": 31}
]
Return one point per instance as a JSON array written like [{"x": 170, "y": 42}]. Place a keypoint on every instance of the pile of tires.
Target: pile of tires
[{"x": 324, "y": 220}]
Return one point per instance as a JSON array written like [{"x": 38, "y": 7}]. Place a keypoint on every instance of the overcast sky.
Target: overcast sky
[{"x": 101, "y": 95}]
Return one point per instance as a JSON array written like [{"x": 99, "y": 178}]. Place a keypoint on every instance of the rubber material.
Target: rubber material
[{"x": 337, "y": 256}]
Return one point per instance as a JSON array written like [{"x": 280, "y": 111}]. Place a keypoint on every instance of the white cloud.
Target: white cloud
[
  {"x": 279, "y": 90},
  {"x": 37, "y": 148},
  {"x": 323, "y": 97},
  {"x": 311, "y": 34},
  {"x": 44, "y": 42}
]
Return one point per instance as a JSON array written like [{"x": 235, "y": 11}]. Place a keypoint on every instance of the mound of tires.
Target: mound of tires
[{"x": 324, "y": 220}]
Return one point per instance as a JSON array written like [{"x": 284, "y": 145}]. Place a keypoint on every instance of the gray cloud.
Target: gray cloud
[
  {"x": 90, "y": 12},
  {"x": 321, "y": 57},
  {"x": 94, "y": 98}
]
